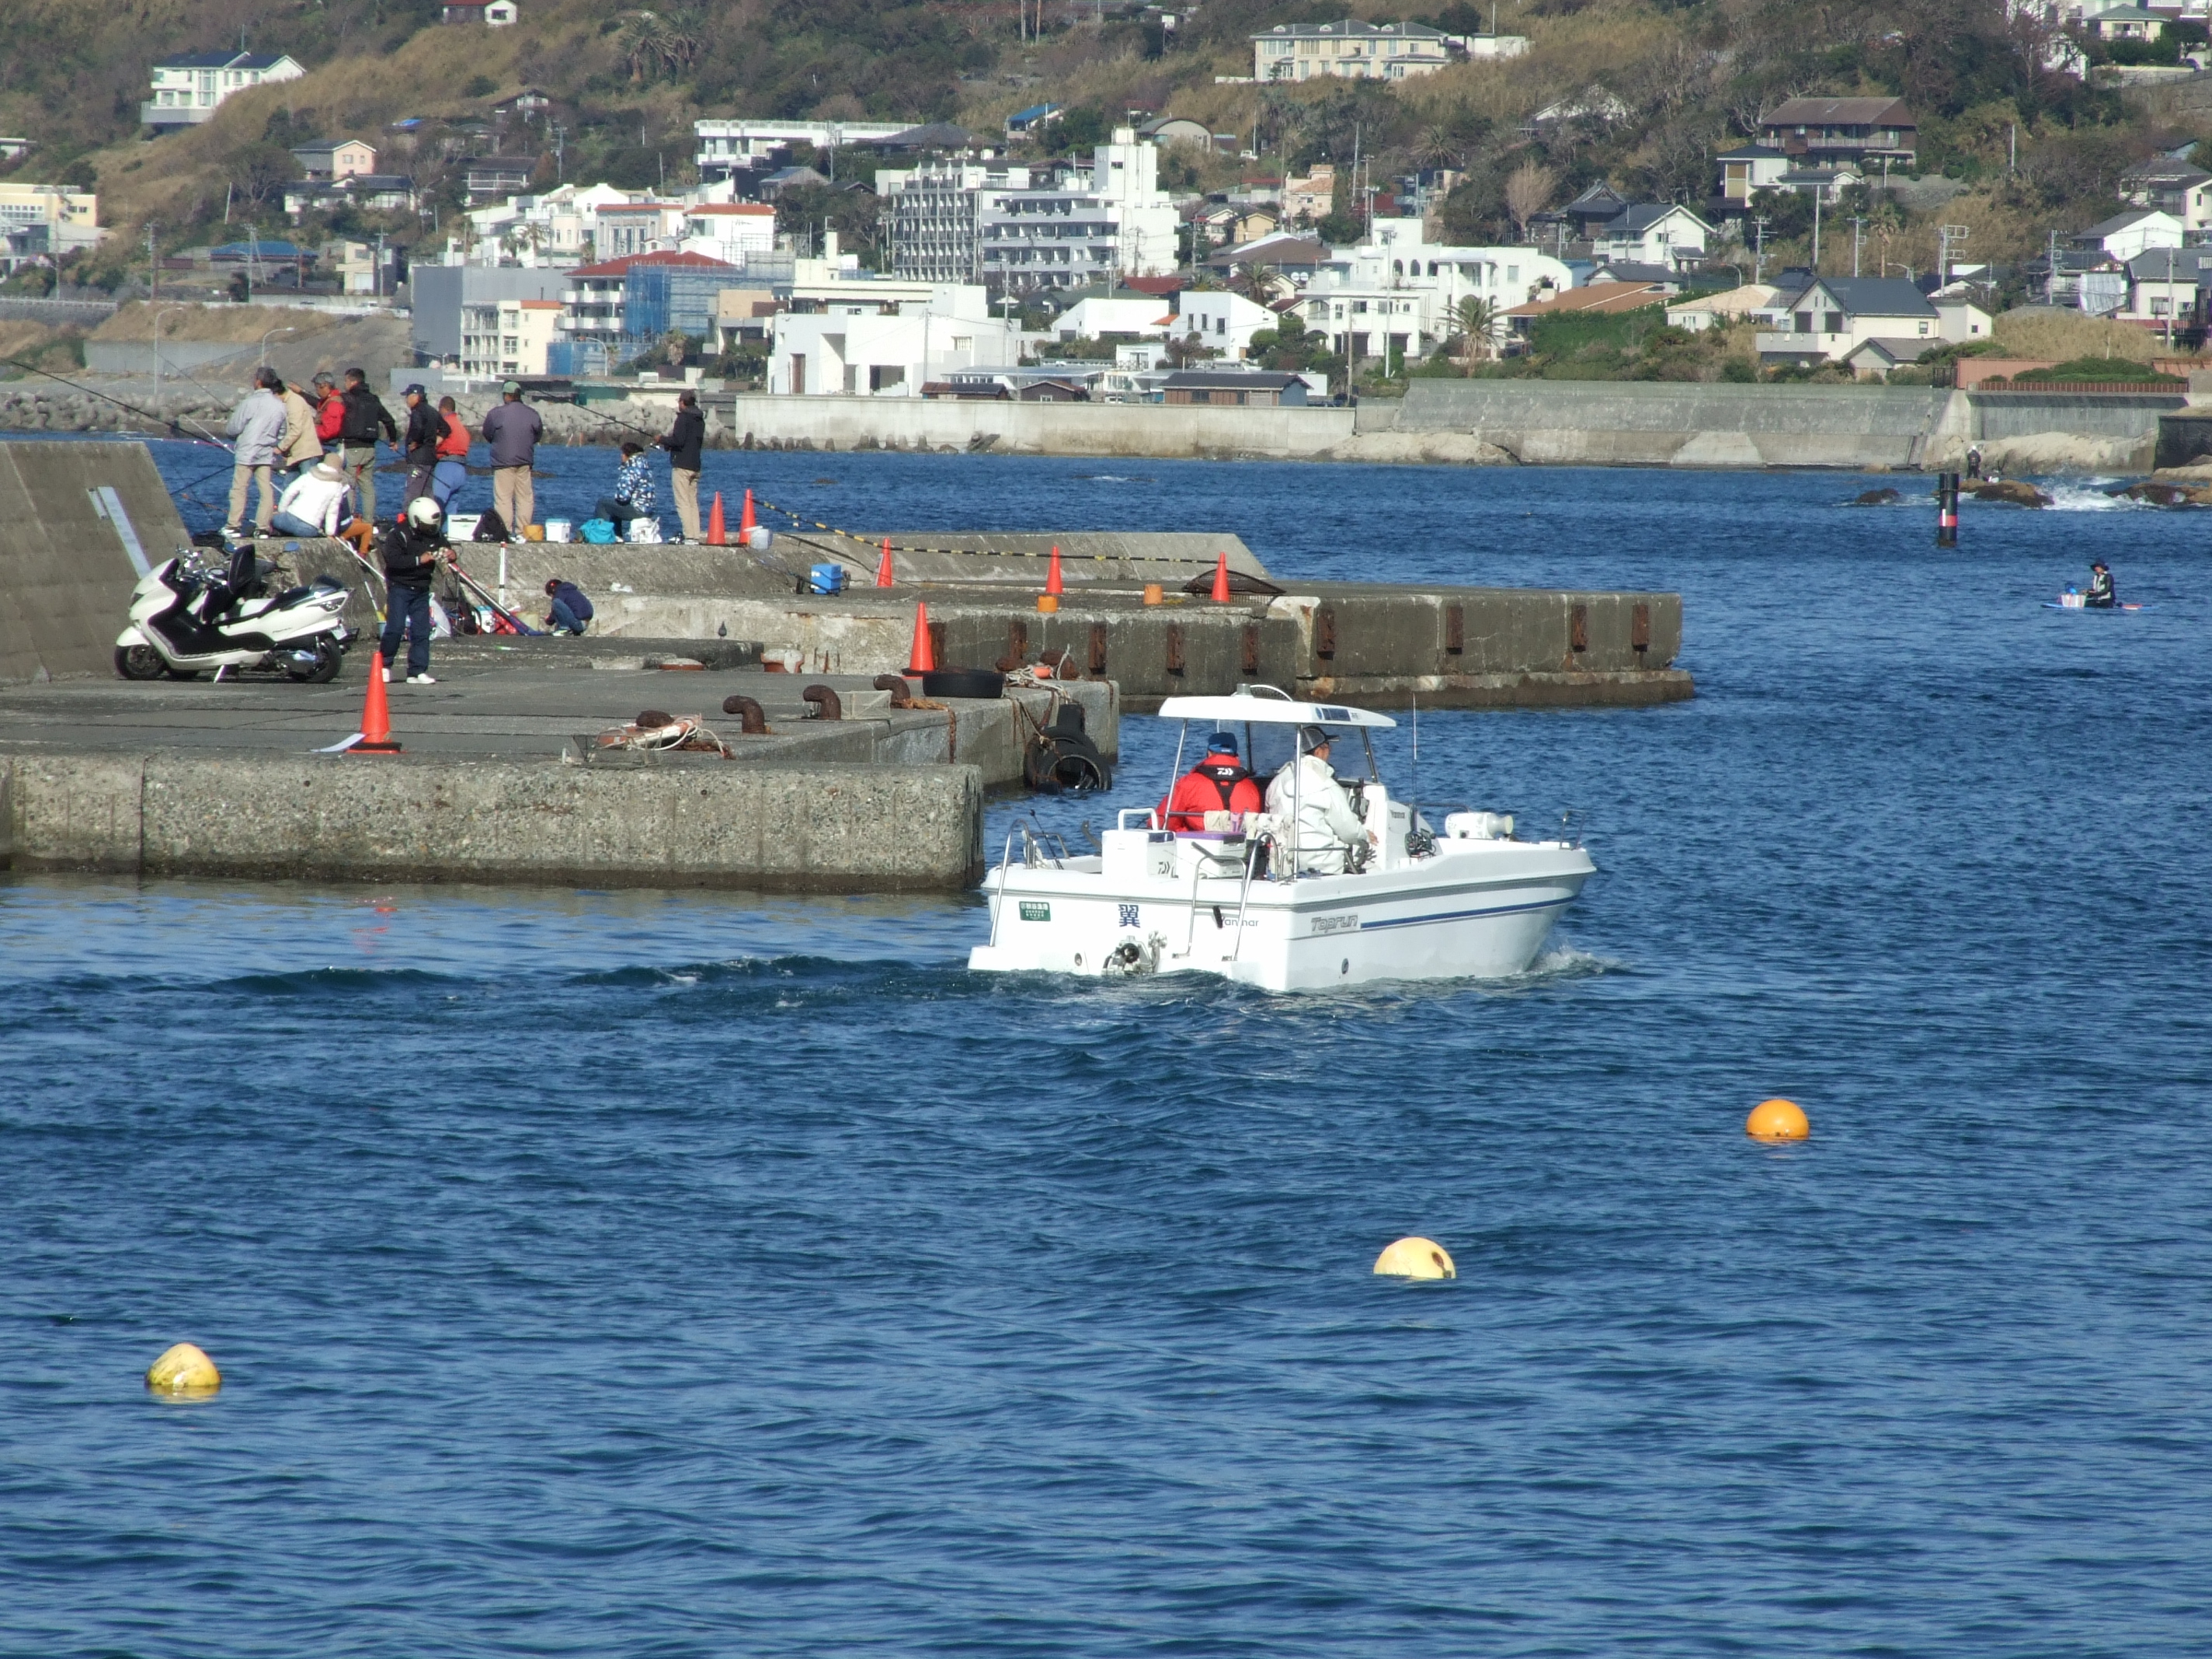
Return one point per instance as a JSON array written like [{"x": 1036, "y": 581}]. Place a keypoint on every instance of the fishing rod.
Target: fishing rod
[
  {"x": 175, "y": 427},
  {"x": 454, "y": 563}
]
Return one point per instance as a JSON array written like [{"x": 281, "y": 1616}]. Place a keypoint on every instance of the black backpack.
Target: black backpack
[{"x": 490, "y": 527}]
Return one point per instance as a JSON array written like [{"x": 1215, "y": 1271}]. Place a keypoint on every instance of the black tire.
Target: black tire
[
  {"x": 139, "y": 662},
  {"x": 980, "y": 683},
  {"x": 328, "y": 660}
]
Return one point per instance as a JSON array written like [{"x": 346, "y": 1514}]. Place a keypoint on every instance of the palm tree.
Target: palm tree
[
  {"x": 1478, "y": 328},
  {"x": 1260, "y": 284}
]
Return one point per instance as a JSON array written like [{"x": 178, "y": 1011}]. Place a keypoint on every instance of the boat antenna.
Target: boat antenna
[{"x": 1414, "y": 783}]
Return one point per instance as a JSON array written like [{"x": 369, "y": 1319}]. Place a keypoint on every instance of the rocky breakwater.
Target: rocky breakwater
[{"x": 38, "y": 404}]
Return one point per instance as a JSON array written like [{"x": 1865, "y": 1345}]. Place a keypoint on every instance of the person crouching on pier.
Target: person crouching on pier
[
  {"x": 319, "y": 502},
  {"x": 412, "y": 547},
  {"x": 570, "y": 610}
]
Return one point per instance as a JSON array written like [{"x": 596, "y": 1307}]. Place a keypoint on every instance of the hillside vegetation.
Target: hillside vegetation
[{"x": 1690, "y": 77}]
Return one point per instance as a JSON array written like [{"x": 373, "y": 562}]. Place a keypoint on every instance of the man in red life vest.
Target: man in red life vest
[{"x": 1217, "y": 784}]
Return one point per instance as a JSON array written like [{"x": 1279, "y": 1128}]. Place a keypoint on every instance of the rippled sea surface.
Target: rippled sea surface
[{"x": 691, "y": 1273}]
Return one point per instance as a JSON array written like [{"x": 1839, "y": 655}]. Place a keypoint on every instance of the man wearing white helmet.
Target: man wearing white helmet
[
  {"x": 412, "y": 547},
  {"x": 1325, "y": 826}
]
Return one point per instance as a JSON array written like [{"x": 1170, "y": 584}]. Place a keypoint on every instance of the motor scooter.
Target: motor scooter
[{"x": 186, "y": 616}]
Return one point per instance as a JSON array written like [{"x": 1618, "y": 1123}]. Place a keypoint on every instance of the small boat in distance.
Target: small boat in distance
[{"x": 1439, "y": 890}]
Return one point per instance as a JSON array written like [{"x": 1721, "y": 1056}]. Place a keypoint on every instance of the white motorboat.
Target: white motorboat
[{"x": 1438, "y": 892}]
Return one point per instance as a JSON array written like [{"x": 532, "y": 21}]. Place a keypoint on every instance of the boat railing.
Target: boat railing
[{"x": 999, "y": 909}]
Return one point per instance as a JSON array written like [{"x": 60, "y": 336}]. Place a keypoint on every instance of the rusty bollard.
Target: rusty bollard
[
  {"x": 901, "y": 693},
  {"x": 755, "y": 722},
  {"x": 826, "y": 706}
]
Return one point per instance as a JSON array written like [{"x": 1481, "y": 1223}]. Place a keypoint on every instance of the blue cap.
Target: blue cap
[{"x": 1221, "y": 742}]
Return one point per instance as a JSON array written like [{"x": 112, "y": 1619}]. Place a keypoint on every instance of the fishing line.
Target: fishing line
[{"x": 175, "y": 427}]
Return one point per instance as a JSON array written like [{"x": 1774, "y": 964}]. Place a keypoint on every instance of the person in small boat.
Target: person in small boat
[
  {"x": 2100, "y": 596},
  {"x": 1218, "y": 784},
  {"x": 1327, "y": 828}
]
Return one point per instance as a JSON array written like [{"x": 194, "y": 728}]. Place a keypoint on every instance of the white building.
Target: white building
[
  {"x": 1398, "y": 292},
  {"x": 556, "y": 227},
  {"x": 1090, "y": 226},
  {"x": 1095, "y": 316},
  {"x": 858, "y": 342},
  {"x": 1223, "y": 321},
  {"x": 45, "y": 219},
  {"x": 1359, "y": 51},
  {"x": 728, "y": 231},
  {"x": 1652, "y": 234},
  {"x": 636, "y": 225},
  {"x": 1869, "y": 321},
  {"x": 2124, "y": 235},
  {"x": 723, "y": 147},
  {"x": 507, "y": 337},
  {"x": 937, "y": 214},
  {"x": 1747, "y": 169},
  {"x": 188, "y": 89}
]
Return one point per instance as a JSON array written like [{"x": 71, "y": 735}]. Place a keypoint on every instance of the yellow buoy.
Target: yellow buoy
[
  {"x": 1416, "y": 1258},
  {"x": 1777, "y": 1120},
  {"x": 184, "y": 1369}
]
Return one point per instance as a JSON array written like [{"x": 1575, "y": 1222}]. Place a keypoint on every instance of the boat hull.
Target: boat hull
[{"x": 1481, "y": 911}]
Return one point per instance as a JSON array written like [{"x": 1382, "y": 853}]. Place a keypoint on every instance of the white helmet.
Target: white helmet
[{"x": 423, "y": 514}]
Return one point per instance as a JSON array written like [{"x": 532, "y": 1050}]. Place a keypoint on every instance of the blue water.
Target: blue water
[{"x": 693, "y": 1273}]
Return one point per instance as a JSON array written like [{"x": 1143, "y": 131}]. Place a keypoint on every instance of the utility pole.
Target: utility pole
[
  {"x": 1759, "y": 246},
  {"x": 153, "y": 266},
  {"x": 1858, "y": 229},
  {"x": 1948, "y": 237},
  {"x": 1817, "y": 193},
  {"x": 560, "y": 166}
]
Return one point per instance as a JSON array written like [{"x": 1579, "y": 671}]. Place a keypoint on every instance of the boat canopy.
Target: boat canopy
[{"x": 1273, "y": 709}]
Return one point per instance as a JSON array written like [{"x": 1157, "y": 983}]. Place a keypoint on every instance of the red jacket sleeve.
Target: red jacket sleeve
[{"x": 330, "y": 416}]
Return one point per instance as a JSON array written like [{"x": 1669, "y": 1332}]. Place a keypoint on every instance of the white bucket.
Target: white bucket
[
  {"x": 646, "y": 531},
  {"x": 560, "y": 530}
]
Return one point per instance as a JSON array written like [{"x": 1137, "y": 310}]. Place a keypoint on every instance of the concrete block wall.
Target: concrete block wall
[
  {"x": 822, "y": 827},
  {"x": 1101, "y": 430}
]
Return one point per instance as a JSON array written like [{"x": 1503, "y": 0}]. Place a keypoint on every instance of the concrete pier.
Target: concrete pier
[
  {"x": 500, "y": 779},
  {"x": 1364, "y": 642}
]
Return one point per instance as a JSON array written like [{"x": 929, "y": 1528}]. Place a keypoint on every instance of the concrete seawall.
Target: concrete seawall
[
  {"x": 1528, "y": 423},
  {"x": 822, "y": 827}
]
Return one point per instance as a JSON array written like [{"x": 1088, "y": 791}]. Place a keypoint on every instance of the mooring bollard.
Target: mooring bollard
[{"x": 1946, "y": 509}]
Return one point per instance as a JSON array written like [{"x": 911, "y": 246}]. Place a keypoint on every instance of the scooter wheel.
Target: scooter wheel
[
  {"x": 329, "y": 659},
  {"x": 139, "y": 662}
]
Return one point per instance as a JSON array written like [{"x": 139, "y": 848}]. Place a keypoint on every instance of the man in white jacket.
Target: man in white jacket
[
  {"x": 257, "y": 425},
  {"x": 1326, "y": 827}
]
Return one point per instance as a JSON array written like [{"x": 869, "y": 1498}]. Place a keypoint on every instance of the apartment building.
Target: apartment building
[
  {"x": 1107, "y": 221},
  {"x": 1353, "y": 50},
  {"x": 48, "y": 219},
  {"x": 507, "y": 337},
  {"x": 723, "y": 148},
  {"x": 938, "y": 210}
]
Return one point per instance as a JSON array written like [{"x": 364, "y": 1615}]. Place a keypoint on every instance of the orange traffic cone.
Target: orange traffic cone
[
  {"x": 884, "y": 570},
  {"x": 1221, "y": 577},
  {"x": 718, "y": 532},
  {"x": 1052, "y": 576},
  {"x": 375, "y": 714},
  {"x": 745, "y": 525},
  {"x": 922, "y": 660}
]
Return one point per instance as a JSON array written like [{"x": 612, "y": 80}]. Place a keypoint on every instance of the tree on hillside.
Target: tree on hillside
[{"x": 1528, "y": 194}]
